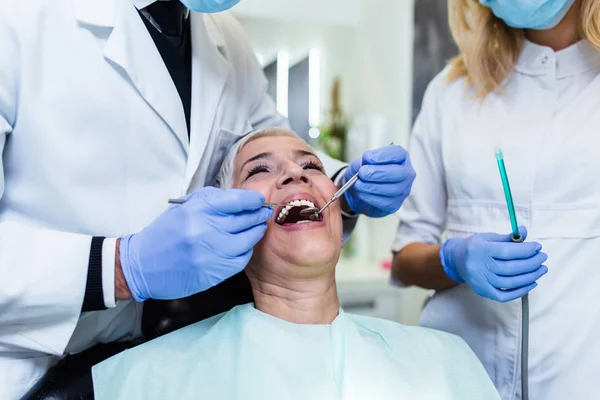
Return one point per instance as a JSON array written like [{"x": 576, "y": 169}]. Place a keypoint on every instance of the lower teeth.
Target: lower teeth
[{"x": 304, "y": 222}]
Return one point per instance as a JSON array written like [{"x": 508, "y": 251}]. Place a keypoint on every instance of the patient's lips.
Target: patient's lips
[{"x": 289, "y": 216}]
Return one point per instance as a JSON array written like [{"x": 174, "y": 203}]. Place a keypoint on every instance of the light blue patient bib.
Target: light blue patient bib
[{"x": 247, "y": 354}]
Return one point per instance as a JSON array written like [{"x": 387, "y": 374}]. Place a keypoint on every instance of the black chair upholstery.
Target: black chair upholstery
[
  {"x": 71, "y": 379},
  {"x": 162, "y": 317}
]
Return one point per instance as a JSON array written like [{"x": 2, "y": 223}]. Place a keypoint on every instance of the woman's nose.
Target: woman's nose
[{"x": 294, "y": 174}]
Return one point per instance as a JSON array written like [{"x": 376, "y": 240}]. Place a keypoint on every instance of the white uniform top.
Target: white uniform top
[
  {"x": 94, "y": 142},
  {"x": 249, "y": 355},
  {"x": 547, "y": 121}
]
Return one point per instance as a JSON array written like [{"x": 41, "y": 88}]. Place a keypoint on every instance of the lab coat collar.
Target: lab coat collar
[
  {"x": 539, "y": 60},
  {"x": 96, "y": 12},
  {"x": 131, "y": 48},
  {"x": 104, "y": 13},
  {"x": 139, "y": 4}
]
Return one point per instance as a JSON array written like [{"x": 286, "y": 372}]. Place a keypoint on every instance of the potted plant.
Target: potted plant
[
  {"x": 334, "y": 133},
  {"x": 333, "y": 139}
]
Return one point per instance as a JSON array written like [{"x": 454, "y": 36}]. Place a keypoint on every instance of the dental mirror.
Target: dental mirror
[{"x": 313, "y": 212}]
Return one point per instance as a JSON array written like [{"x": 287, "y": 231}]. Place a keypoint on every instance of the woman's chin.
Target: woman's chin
[{"x": 313, "y": 252}]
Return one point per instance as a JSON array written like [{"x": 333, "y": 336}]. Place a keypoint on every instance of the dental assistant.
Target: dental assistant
[
  {"x": 527, "y": 81},
  {"x": 108, "y": 109}
]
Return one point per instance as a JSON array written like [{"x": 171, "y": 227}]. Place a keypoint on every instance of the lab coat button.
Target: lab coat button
[{"x": 545, "y": 60}]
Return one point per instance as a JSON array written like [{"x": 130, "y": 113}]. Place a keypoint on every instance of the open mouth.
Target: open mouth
[{"x": 290, "y": 214}]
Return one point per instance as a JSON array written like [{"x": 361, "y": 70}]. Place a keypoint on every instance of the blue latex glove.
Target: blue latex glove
[
  {"x": 493, "y": 266},
  {"x": 385, "y": 179},
  {"x": 194, "y": 246}
]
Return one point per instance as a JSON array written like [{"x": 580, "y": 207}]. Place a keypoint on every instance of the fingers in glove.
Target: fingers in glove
[
  {"x": 513, "y": 251},
  {"x": 385, "y": 155},
  {"x": 506, "y": 238},
  {"x": 243, "y": 221},
  {"x": 381, "y": 189},
  {"x": 517, "y": 281},
  {"x": 518, "y": 266},
  {"x": 388, "y": 173},
  {"x": 504, "y": 296},
  {"x": 238, "y": 244},
  {"x": 235, "y": 201}
]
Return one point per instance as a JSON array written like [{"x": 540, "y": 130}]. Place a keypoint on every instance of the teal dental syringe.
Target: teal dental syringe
[{"x": 517, "y": 238}]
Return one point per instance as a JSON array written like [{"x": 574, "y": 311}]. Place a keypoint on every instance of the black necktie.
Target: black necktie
[
  {"x": 170, "y": 16},
  {"x": 174, "y": 46}
]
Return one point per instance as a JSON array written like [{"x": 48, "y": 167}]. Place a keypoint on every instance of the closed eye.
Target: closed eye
[
  {"x": 258, "y": 169},
  {"x": 313, "y": 165}
]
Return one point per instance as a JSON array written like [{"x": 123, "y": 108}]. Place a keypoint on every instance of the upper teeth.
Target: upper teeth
[{"x": 296, "y": 203}]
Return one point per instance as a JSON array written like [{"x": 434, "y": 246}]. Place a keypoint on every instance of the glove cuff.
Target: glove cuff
[
  {"x": 131, "y": 270},
  {"x": 447, "y": 262}
]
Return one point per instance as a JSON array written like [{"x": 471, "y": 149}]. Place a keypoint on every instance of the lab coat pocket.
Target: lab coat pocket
[{"x": 223, "y": 144}]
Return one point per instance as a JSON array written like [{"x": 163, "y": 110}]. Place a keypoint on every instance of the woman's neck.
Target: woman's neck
[
  {"x": 565, "y": 34},
  {"x": 300, "y": 301}
]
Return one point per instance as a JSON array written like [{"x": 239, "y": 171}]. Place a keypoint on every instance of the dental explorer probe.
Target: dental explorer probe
[
  {"x": 315, "y": 211},
  {"x": 183, "y": 201}
]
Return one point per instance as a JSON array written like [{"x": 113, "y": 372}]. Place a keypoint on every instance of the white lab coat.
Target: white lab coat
[
  {"x": 94, "y": 141},
  {"x": 547, "y": 122}
]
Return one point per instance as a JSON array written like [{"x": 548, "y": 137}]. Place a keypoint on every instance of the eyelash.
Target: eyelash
[
  {"x": 260, "y": 168},
  {"x": 257, "y": 170},
  {"x": 312, "y": 165}
]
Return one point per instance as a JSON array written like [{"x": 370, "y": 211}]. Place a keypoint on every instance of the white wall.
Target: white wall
[
  {"x": 335, "y": 42},
  {"x": 368, "y": 43},
  {"x": 383, "y": 60},
  {"x": 333, "y": 12}
]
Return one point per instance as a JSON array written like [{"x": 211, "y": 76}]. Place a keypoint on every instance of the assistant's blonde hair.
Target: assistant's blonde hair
[{"x": 490, "y": 48}]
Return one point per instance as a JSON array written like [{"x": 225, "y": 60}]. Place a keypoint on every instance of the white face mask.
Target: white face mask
[
  {"x": 529, "y": 14},
  {"x": 209, "y": 6}
]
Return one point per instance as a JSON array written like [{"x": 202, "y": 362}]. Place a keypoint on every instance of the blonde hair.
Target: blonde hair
[{"x": 490, "y": 49}]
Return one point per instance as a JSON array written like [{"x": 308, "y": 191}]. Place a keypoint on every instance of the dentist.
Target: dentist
[{"x": 107, "y": 109}]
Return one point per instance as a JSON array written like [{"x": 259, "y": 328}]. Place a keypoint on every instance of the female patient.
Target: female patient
[{"x": 294, "y": 342}]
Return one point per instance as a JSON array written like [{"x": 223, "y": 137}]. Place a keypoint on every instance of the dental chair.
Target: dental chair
[{"x": 71, "y": 378}]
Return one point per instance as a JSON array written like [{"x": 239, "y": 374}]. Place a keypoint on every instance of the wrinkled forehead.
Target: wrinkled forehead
[{"x": 280, "y": 147}]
